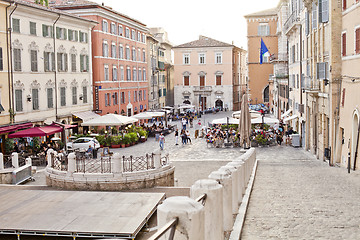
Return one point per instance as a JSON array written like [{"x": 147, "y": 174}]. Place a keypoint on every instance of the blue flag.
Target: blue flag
[{"x": 263, "y": 50}]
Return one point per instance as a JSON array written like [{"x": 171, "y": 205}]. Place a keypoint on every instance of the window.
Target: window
[
  {"x": 186, "y": 58},
  {"x": 160, "y": 93},
  {"x": 72, "y": 35},
  {"x": 321, "y": 70},
  {"x": 134, "y": 74},
  {"x": 186, "y": 80},
  {"x": 122, "y": 98},
  {"x": 1, "y": 60},
  {"x": 104, "y": 26},
  {"x": 357, "y": 41},
  {"x": 113, "y": 50},
  {"x": 143, "y": 38},
  {"x": 63, "y": 96},
  {"x": 263, "y": 29},
  {"x": 33, "y": 59},
  {"x": 343, "y": 44},
  {"x": 47, "y": 30},
  {"x": 122, "y": 74},
  {"x": 18, "y": 100},
  {"x": 135, "y": 96},
  {"x": 114, "y": 73},
  {"x": 144, "y": 74},
  {"x": 116, "y": 98},
  {"x": 140, "y": 75},
  {"x": 133, "y": 34},
  {"x": 49, "y": 61},
  {"x": 83, "y": 37},
  {"x": 107, "y": 99},
  {"x": 50, "y": 97},
  {"x": 17, "y": 59},
  {"x": 106, "y": 72},
  {"x": 16, "y": 25},
  {"x": 84, "y": 63},
  {"x": 218, "y": 80},
  {"x": 344, "y": 4},
  {"x": 62, "y": 62},
  {"x": 121, "y": 51},
  {"x": 140, "y": 95},
  {"x": 323, "y": 11},
  {"x": 61, "y": 33},
  {"x": 74, "y": 95},
  {"x": 113, "y": 28},
  {"x": 128, "y": 74},
  {"x": 139, "y": 55},
  {"x": 218, "y": 58},
  {"x": 133, "y": 54},
  {"x": 314, "y": 16},
  {"x": 121, "y": 30},
  {"x": 73, "y": 62},
  {"x": 35, "y": 98},
  {"x": 127, "y": 33},
  {"x": 85, "y": 95},
  {"x": 32, "y": 28},
  {"x": 202, "y": 58},
  {"x": 144, "y": 94},
  {"x": 138, "y": 37},
  {"x": 144, "y": 56},
  {"x": 105, "y": 49},
  {"x": 164, "y": 92},
  {"x": 307, "y": 27},
  {"x": 127, "y": 53}
]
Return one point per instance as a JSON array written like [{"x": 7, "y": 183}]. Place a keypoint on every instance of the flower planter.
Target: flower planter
[
  {"x": 101, "y": 146},
  {"x": 127, "y": 145},
  {"x": 122, "y": 145},
  {"x": 115, "y": 145}
]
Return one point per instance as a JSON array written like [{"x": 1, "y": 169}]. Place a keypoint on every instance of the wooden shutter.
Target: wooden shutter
[
  {"x": 46, "y": 62},
  {"x": 218, "y": 80},
  {"x": 57, "y": 32},
  {"x": 87, "y": 63},
  {"x": 76, "y": 35},
  {"x": 52, "y": 61},
  {"x": 186, "y": 81},
  {"x": 344, "y": 44},
  {"x": 357, "y": 41},
  {"x": 59, "y": 62},
  {"x": 202, "y": 80},
  {"x": 44, "y": 28},
  {"x": 81, "y": 36},
  {"x": 344, "y": 4},
  {"x": 66, "y": 61}
]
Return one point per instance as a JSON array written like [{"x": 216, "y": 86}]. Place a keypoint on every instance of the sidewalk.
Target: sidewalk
[{"x": 296, "y": 196}]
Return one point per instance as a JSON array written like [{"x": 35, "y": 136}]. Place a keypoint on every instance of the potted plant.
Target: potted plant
[
  {"x": 115, "y": 141},
  {"x": 143, "y": 135},
  {"x": 101, "y": 140},
  {"x": 126, "y": 140},
  {"x": 133, "y": 138},
  {"x": 108, "y": 141},
  {"x": 9, "y": 145}
]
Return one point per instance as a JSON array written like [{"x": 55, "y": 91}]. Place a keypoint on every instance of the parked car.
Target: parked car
[{"x": 84, "y": 143}]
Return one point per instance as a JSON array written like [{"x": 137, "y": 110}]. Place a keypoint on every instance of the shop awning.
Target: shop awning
[
  {"x": 36, "y": 132},
  {"x": 290, "y": 118},
  {"x": 66, "y": 126},
  {"x": 86, "y": 116},
  {"x": 285, "y": 114},
  {"x": 14, "y": 127}
]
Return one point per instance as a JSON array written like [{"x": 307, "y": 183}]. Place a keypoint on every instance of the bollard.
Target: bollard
[
  {"x": 118, "y": 164},
  {"x": 49, "y": 158},
  {"x": 240, "y": 182},
  {"x": 224, "y": 179},
  {"x": 71, "y": 163},
  {"x": 157, "y": 159},
  {"x": 234, "y": 187},
  {"x": 213, "y": 207},
  {"x": 15, "y": 159},
  {"x": 190, "y": 214},
  {"x": 1, "y": 161},
  {"x": 28, "y": 161}
]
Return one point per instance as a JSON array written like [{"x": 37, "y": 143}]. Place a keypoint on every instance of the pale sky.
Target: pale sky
[{"x": 185, "y": 20}]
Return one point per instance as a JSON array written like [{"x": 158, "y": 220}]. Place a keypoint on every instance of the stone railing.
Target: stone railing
[
  {"x": 13, "y": 166},
  {"x": 227, "y": 191},
  {"x": 110, "y": 173}
]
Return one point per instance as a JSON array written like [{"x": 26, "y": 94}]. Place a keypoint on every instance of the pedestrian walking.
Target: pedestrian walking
[
  {"x": 176, "y": 137},
  {"x": 197, "y": 128},
  {"x": 183, "y": 137},
  {"x": 161, "y": 141},
  {"x": 183, "y": 121},
  {"x": 188, "y": 139}
]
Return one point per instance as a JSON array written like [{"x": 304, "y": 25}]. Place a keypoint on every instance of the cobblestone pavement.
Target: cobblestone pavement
[{"x": 296, "y": 196}]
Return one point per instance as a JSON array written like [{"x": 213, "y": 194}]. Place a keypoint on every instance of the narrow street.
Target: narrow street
[{"x": 296, "y": 196}]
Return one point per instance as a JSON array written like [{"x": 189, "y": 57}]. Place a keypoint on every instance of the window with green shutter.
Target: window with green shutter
[
  {"x": 50, "y": 98},
  {"x": 16, "y": 25},
  {"x": 18, "y": 100},
  {"x": 85, "y": 94},
  {"x": 33, "y": 28},
  {"x": 35, "y": 98}
]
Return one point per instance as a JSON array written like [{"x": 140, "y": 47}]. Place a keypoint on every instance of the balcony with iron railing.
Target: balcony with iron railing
[
  {"x": 312, "y": 86},
  {"x": 293, "y": 20},
  {"x": 279, "y": 57}
]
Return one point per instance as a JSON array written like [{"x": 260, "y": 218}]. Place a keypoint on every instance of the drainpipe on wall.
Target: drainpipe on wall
[
  {"x": 10, "y": 65},
  {"x": 55, "y": 67}
]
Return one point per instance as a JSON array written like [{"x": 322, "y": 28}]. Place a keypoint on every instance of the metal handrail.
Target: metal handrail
[
  {"x": 170, "y": 225},
  {"x": 202, "y": 199}
]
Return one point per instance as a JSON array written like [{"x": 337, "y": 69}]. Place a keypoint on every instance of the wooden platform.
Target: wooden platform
[{"x": 75, "y": 213}]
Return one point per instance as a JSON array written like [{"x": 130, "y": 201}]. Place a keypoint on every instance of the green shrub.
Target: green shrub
[
  {"x": 133, "y": 137},
  {"x": 9, "y": 145},
  {"x": 101, "y": 139},
  {"x": 126, "y": 139},
  {"x": 108, "y": 141},
  {"x": 260, "y": 139},
  {"x": 116, "y": 140}
]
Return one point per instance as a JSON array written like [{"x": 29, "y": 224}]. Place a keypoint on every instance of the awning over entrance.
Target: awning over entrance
[
  {"x": 285, "y": 114},
  {"x": 86, "y": 116},
  {"x": 37, "y": 132},
  {"x": 14, "y": 127},
  {"x": 290, "y": 118}
]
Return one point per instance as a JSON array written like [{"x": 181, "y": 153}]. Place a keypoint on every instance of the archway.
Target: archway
[
  {"x": 187, "y": 102},
  {"x": 219, "y": 103},
  {"x": 354, "y": 139},
  {"x": 266, "y": 94}
]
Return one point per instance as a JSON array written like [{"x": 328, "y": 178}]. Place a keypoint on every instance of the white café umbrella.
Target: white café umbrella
[
  {"x": 253, "y": 114},
  {"x": 267, "y": 120},
  {"x": 55, "y": 139},
  {"x": 143, "y": 115},
  {"x": 225, "y": 120},
  {"x": 110, "y": 120}
]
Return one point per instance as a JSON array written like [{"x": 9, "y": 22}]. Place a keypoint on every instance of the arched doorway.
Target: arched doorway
[
  {"x": 354, "y": 139},
  {"x": 219, "y": 104},
  {"x": 266, "y": 94},
  {"x": 187, "y": 102}
]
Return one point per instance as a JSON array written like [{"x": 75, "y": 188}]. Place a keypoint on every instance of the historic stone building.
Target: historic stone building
[
  {"x": 261, "y": 25},
  {"x": 205, "y": 73}
]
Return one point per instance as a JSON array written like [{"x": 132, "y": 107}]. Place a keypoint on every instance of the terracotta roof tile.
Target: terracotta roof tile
[{"x": 204, "y": 42}]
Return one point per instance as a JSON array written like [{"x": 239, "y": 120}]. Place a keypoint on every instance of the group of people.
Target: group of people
[{"x": 217, "y": 136}]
